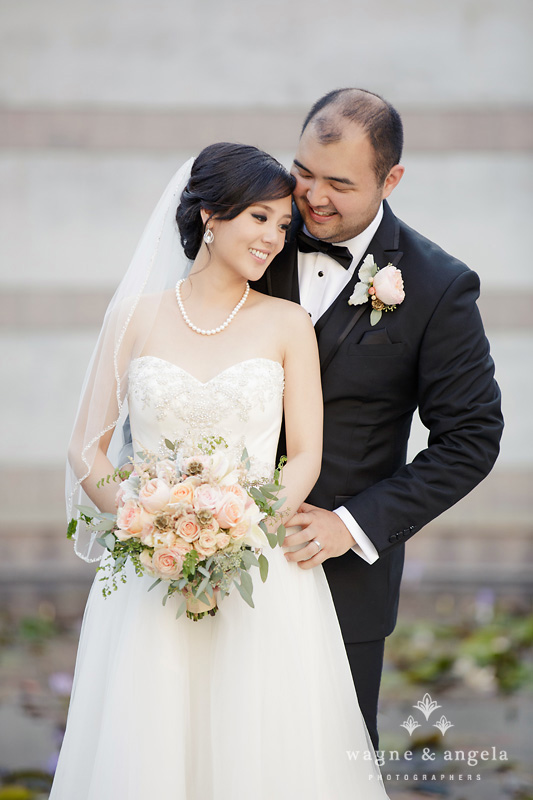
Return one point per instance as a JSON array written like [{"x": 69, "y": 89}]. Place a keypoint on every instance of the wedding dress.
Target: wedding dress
[{"x": 252, "y": 704}]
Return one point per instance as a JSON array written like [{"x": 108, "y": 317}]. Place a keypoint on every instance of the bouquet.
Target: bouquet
[{"x": 194, "y": 521}]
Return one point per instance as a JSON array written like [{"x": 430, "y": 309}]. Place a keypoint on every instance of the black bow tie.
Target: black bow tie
[{"x": 306, "y": 244}]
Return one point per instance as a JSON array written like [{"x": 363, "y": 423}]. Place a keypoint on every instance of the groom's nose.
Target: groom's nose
[{"x": 316, "y": 195}]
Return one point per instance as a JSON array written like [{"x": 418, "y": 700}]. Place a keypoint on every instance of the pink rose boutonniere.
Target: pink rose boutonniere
[{"x": 384, "y": 287}]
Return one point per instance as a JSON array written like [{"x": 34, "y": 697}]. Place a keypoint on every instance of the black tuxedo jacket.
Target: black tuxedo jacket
[{"x": 430, "y": 353}]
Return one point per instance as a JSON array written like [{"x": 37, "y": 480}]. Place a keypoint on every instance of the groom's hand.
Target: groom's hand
[{"x": 318, "y": 525}]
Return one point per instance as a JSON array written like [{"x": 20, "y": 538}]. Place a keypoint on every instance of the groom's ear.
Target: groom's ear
[{"x": 392, "y": 180}]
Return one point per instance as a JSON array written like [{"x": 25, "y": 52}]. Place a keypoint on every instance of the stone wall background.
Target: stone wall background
[{"x": 99, "y": 102}]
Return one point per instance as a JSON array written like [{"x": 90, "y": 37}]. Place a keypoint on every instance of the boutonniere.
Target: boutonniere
[{"x": 384, "y": 287}]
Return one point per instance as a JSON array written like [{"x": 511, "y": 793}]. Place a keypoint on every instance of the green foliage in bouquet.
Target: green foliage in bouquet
[{"x": 199, "y": 575}]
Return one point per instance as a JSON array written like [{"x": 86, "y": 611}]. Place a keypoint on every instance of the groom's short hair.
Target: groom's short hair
[{"x": 380, "y": 121}]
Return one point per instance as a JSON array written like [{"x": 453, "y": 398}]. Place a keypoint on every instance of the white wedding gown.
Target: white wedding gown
[{"x": 252, "y": 704}]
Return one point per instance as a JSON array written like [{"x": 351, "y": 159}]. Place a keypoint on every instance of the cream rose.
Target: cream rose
[
  {"x": 206, "y": 544},
  {"x": 222, "y": 540},
  {"x": 146, "y": 560},
  {"x": 231, "y": 511},
  {"x": 388, "y": 285},
  {"x": 167, "y": 562},
  {"x": 211, "y": 527},
  {"x": 160, "y": 539},
  {"x": 207, "y": 496},
  {"x": 240, "y": 530},
  {"x": 188, "y": 528},
  {"x": 154, "y": 495},
  {"x": 166, "y": 470}
]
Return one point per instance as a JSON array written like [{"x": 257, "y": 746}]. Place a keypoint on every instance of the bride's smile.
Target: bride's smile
[{"x": 247, "y": 243}]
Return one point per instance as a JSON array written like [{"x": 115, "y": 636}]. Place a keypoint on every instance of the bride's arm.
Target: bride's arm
[
  {"x": 303, "y": 408},
  {"x": 99, "y": 412}
]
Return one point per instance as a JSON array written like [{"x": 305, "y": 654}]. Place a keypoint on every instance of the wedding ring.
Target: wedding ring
[{"x": 315, "y": 541}]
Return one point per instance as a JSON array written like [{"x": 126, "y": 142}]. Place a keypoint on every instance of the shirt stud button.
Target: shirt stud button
[{"x": 320, "y": 274}]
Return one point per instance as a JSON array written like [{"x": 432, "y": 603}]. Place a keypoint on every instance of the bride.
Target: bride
[{"x": 163, "y": 707}]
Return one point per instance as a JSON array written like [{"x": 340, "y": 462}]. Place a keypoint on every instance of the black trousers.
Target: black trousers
[{"x": 366, "y": 663}]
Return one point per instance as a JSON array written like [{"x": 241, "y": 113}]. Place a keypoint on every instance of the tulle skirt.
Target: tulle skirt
[{"x": 252, "y": 703}]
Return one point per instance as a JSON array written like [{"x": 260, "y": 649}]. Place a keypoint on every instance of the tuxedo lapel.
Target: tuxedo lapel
[{"x": 340, "y": 318}]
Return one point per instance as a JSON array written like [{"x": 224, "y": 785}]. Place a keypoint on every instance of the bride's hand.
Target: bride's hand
[{"x": 318, "y": 527}]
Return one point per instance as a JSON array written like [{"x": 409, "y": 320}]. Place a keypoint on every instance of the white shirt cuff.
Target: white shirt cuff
[{"x": 363, "y": 546}]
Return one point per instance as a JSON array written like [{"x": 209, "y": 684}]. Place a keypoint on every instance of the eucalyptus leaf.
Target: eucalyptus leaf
[
  {"x": 154, "y": 584},
  {"x": 170, "y": 445},
  {"x": 281, "y": 534},
  {"x": 165, "y": 598},
  {"x": 110, "y": 541},
  {"x": 104, "y": 525},
  {"x": 246, "y": 582},
  {"x": 202, "y": 586},
  {"x": 182, "y": 583},
  {"x": 203, "y": 571},
  {"x": 88, "y": 511},
  {"x": 181, "y": 609},
  {"x": 244, "y": 594},
  {"x": 203, "y": 598},
  {"x": 256, "y": 493},
  {"x": 209, "y": 590},
  {"x": 375, "y": 316},
  {"x": 270, "y": 487},
  {"x": 272, "y": 539},
  {"x": 249, "y": 559},
  {"x": 263, "y": 567},
  {"x": 263, "y": 526}
]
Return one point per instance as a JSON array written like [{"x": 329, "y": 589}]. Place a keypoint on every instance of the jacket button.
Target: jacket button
[{"x": 393, "y": 537}]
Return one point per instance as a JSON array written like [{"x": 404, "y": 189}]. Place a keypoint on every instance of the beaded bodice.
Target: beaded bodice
[{"x": 243, "y": 404}]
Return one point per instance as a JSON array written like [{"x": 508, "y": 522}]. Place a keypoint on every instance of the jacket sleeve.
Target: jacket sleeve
[{"x": 459, "y": 403}]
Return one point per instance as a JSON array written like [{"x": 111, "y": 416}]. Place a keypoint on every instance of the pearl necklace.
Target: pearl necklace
[{"x": 220, "y": 328}]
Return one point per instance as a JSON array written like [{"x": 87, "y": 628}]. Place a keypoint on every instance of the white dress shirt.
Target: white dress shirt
[{"x": 321, "y": 281}]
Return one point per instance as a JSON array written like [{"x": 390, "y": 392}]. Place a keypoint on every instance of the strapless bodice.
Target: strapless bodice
[{"x": 243, "y": 403}]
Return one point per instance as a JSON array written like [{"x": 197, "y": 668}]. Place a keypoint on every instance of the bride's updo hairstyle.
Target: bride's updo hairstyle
[{"x": 225, "y": 180}]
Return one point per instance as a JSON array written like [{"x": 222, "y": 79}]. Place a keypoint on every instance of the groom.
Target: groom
[{"x": 429, "y": 353}]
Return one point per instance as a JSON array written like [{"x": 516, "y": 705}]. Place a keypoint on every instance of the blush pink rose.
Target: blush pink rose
[
  {"x": 207, "y": 496},
  {"x": 239, "y": 492},
  {"x": 182, "y": 547},
  {"x": 182, "y": 492},
  {"x": 388, "y": 285},
  {"x": 188, "y": 528},
  {"x": 167, "y": 562},
  {"x": 131, "y": 520},
  {"x": 231, "y": 511},
  {"x": 154, "y": 495}
]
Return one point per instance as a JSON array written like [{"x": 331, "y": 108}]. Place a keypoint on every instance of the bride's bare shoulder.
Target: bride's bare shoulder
[{"x": 284, "y": 308}]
